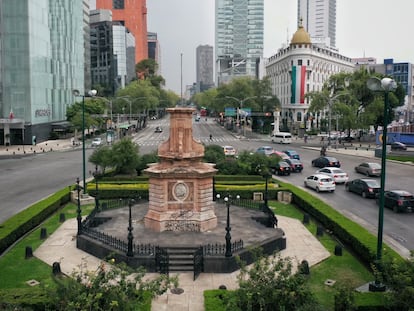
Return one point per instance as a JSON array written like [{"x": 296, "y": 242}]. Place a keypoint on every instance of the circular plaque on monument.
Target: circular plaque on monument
[{"x": 180, "y": 191}]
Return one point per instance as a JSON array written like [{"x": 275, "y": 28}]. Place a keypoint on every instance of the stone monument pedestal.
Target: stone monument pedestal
[{"x": 181, "y": 185}]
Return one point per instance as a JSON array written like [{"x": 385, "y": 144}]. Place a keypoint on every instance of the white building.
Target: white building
[
  {"x": 299, "y": 69},
  {"x": 319, "y": 19}
]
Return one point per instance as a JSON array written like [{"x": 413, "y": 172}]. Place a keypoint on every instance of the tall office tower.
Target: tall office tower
[
  {"x": 319, "y": 20},
  {"x": 239, "y": 30},
  {"x": 112, "y": 52},
  {"x": 42, "y": 61},
  {"x": 204, "y": 67},
  {"x": 133, "y": 15},
  {"x": 154, "y": 49}
]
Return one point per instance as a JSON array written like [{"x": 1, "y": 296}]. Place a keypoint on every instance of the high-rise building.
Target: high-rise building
[
  {"x": 319, "y": 19},
  {"x": 154, "y": 49},
  {"x": 204, "y": 67},
  {"x": 41, "y": 62},
  {"x": 133, "y": 15},
  {"x": 112, "y": 52},
  {"x": 239, "y": 28}
]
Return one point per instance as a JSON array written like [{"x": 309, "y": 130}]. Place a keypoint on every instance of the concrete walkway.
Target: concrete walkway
[{"x": 61, "y": 247}]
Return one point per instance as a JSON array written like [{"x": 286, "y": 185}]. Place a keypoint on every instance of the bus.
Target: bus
[{"x": 282, "y": 138}]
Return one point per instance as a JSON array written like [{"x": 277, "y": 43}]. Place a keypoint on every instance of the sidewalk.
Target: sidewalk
[
  {"x": 46, "y": 146},
  {"x": 61, "y": 247}
]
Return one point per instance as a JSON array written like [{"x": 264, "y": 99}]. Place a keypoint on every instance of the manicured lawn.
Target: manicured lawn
[
  {"x": 346, "y": 269},
  {"x": 15, "y": 270}
]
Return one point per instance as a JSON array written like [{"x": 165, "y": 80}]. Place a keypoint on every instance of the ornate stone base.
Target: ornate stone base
[{"x": 189, "y": 221}]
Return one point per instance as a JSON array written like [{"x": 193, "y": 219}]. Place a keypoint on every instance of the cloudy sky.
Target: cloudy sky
[{"x": 364, "y": 28}]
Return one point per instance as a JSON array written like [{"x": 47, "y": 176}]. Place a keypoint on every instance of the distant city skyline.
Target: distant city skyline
[{"x": 364, "y": 28}]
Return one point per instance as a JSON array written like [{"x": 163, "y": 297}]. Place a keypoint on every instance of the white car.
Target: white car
[
  {"x": 96, "y": 142},
  {"x": 338, "y": 175},
  {"x": 229, "y": 151},
  {"x": 320, "y": 182}
]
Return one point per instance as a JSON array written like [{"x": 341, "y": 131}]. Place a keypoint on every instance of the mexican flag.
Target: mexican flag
[{"x": 298, "y": 85}]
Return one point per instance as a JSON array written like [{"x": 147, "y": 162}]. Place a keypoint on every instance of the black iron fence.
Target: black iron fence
[{"x": 220, "y": 249}]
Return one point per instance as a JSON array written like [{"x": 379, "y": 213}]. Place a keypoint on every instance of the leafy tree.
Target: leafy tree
[
  {"x": 213, "y": 154},
  {"x": 111, "y": 287},
  {"x": 399, "y": 278},
  {"x": 102, "y": 156},
  {"x": 145, "y": 160},
  {"x": 270, "y": 284},
  {"x": 125, "y": 156},
  {"x": 146, "y": 70}
]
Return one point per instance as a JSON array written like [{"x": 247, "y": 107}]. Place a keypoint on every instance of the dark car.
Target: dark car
[
  {"x": 158, "y": 129},
  {"x": 281, "y": 168},
  {"x": 367, "y": 188},
  {"x": 292, "y": 154},
  {"x": 398, "y": 146},
  {"x": 295, "y": 165},
  {"x": 326, "y": 162},
  {"x": 398, "y": 200},
  {"x": 346, "y": 139}
]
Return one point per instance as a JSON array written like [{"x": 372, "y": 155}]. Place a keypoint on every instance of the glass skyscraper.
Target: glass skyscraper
[
  {"x": 41, "y": 62},
  {"x": 319, "y": 20},
  {"x": 239, "y": 38}
]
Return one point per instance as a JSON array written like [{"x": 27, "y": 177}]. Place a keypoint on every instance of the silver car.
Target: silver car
[
  {"x": 369, "y": 169},
  {"x": 320, "y": 182}
]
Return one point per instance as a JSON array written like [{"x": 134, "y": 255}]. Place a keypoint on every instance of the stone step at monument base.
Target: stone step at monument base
[{"x": 181, "y": 258}]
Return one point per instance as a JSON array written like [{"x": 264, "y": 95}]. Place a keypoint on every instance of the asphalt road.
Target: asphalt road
[{"x": 29, "y": 179}]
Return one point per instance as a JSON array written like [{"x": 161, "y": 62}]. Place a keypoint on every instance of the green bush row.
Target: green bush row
[
  {"x": 359, "y": 239},
  {"x": 28, "y": 219},
  {"x": 244, "y": 178}
]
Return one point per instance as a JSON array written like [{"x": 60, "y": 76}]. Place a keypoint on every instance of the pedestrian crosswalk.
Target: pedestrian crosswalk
[{"x": 202, "y": 139}]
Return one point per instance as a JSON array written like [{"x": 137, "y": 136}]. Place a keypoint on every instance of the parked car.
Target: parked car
[
  {"x": 229, "y": 150},
  {"x": 281, "y": 168},
  {"x": 292, "y": 154},
  {"x": 367, "y": 188},
  {"x": 158, "y": 129},
  {"x": 398, "y": 200},
  {"x": 320, "y": 182},
  {"x": 369, "y": 168},
  {"x": 325, "y": 161},
  {"x": 280, "y": 154},
  {"x": 398, "y": 146},
  {"x": 96, "y": 142},
  {"x": 346, "y": 139},
  {"x": 266, "y": 150},
  {"x": 295, "y": 165},
  {"x": 338, "y": 175}
]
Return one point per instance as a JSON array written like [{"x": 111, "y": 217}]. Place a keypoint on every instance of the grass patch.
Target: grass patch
[
  {"x": 16, "y": 270},
  {"x": 344, "y": 270},
  {"x": 400, "y": 158}
]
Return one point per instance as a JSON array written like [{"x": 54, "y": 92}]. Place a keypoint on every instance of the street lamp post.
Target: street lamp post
[
  {"x": 227, "y": 201},
  {"x": 79, "y": 211},
  {"x": 91, "y": 93},
  {"x": 130, "y": 251},
  {"x": 241, "y": 102},
  {"x": 96, "y": 189},
  {"x": 385, "y": 85}
]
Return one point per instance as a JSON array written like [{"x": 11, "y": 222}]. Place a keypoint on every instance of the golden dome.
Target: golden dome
[{"x": 301, "y": 36}]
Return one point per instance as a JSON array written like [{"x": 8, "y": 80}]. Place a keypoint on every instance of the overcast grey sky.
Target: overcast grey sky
[{"x": 364, "y": 27}]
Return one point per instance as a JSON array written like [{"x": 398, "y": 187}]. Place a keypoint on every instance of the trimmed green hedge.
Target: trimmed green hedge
[
  {"x": 363, "y": 243},
  {"x": 28, "y": 219}
]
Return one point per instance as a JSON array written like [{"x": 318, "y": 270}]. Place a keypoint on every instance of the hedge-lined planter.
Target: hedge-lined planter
[
  {"x": 359, "y": 239},
  {"x": 28, "y": 219}
]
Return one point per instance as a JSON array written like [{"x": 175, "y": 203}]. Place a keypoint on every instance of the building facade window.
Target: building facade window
[{"x": 118, "y": 4}]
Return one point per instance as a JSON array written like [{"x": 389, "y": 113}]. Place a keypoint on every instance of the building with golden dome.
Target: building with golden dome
[{"x": 300, "y": 68}]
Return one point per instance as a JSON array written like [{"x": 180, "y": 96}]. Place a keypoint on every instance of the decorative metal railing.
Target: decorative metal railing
[{"x": 220, "y": 249}]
